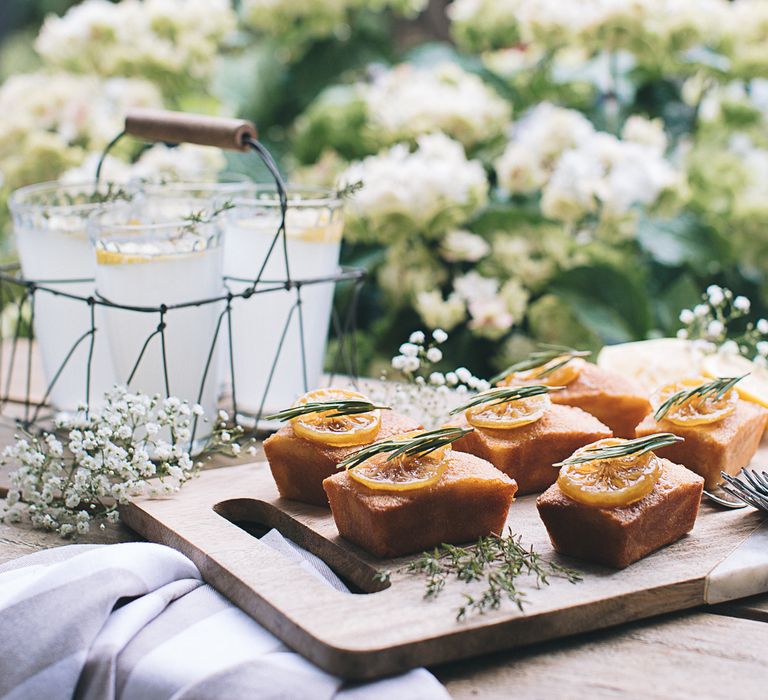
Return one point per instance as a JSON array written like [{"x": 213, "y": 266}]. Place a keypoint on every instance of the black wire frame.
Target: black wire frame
[{"x": 23, "y": 293}]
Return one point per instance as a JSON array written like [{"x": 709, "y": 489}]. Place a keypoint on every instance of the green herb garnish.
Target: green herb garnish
[
  {"x": 341, "y": 407},
  {"x": 715, "y": 389},
  {"x": 545, "y": 353},
  {"x": 505, "y": 395},
  {"x": 496, "y": 560},
  {"x": 421, "y": 444},
  {"x": 638, "y": 446}
]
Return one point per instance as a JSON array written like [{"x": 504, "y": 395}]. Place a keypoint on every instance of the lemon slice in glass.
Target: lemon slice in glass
[
  {"x": 403, "y": 473},
  {"x": 697, "y": 410},
  {"x": 610, "y": 483},
  {"x": 338, "y": 431},
  {"x": 510, "y": 414},
  {"x": 753, "y": 387}
]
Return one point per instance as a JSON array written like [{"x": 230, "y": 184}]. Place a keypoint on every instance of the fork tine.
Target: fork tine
[
  {"x": 753, "y": 481},
  {"x": 746, "y": 491},
  {"x": 762, "y": 477},
  {"x": 738, "y": 493}
]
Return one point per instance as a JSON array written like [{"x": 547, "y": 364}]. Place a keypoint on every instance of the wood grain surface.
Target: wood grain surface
[
  {"x": 363, "y": 636},
  {"x": 686, "y": 657}
]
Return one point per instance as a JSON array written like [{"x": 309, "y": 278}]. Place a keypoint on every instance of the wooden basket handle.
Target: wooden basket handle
[{"x": 180, "y": 127}]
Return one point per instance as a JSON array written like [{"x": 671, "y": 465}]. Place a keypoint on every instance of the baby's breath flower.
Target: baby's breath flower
[
  {"x": 762, "y": 326},
  {"x": 436, "y": 379},
  {"x": 742, "y": 304},
  {"x": 417, "y": 338},
  {"x": 434, "y": 355},
  {"x": 109, "y": 458},
  {"x": 715, "y": 295},
  {"x": 440, "y": 336},
  {"x": 409, "y": 349},
  {"x": 687, "y": 316}
]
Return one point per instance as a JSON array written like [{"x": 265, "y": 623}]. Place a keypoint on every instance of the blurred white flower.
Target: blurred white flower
[
  {"x": 742, "y": 304},
  {"x": 715, "y": 329},
  {"x": 762, "y": 326},
  {"x": 715, "y": 295},
  {"x": 439, "y": 335},
  {"x": 407, "y": 101},
  {"x": 463, "y": 246},
  {"x": 437, "y": 312},
  {"x": 647, "y": 132},
  {"x": 687, "y": 316},
  {"x": 427, "y": 190},
  {"x": 174, "y": 41}
]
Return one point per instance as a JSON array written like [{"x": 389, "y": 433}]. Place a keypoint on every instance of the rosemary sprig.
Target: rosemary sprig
[
  {"x": 421, "y": 444},
  {"x": 203, "y": 217},
  {"x": 545, "y": 353},
  {"x": 505, "y": 394},
  {"x": 497, "y": 560},
  {"x": 638, "y": 446},
  {"x": 715, "y": 389},
  {"x": 341, "y": 407}
]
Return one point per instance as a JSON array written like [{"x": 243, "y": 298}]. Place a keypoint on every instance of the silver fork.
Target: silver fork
[{"x": 750, "y": 486}]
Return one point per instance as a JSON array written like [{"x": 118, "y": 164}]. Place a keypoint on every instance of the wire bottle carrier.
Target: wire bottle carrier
[{"x": 175, "y": 128}]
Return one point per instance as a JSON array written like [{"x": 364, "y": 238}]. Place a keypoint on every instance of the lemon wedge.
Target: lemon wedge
[{"x": 753, "y": 387}]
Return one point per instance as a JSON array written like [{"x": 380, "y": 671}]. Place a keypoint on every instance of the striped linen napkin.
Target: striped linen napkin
[{"x": 135, "y": 621}]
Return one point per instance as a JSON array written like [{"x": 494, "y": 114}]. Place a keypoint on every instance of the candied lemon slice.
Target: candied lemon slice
[
  {"x": 403, "y": 473},
  {"x": 697, "y": 410},
  {"x": 753, "y": 387},
  {"x": 610, "y": 483},
  {"x": 559, "y": 376},
  {"x": 339, "y": 431},
  {"x": 510, "y": 414}
]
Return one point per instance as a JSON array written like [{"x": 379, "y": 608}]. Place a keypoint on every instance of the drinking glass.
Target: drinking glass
[
  {"x": 50, "y": 230},
  {"x": 150, "y": 259},
  {"x": 314, "y": 225}
]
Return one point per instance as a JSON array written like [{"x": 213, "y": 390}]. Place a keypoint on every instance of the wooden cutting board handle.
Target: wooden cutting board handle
[{"x": 180, "y": 127}]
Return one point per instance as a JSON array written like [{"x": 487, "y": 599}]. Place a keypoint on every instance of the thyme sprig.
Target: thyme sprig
[
  {"x": 497, "y": 560},
  {"x": 341, "y": 407},
  {"x": 715, "y": 389},
  {"x": 638, "y": 446},
  {"x": 545, "y": 353},
  {"x": 505, "y": 394},
  {"x": 421, "y": 444}
]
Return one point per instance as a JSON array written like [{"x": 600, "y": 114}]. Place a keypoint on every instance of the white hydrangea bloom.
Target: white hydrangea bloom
[
  {"x": 298, "y": 21},
  {"x": 171, "y": 40},
  {"x": 429, "y": 189},
  {"x": 407, "y": 101},
  {"x": 50, "y": 120},
  {"x": 538, "y": 139},
  {"x": 647, "y": 132},
  {"x": 439, "y": 312},
  {"x": 463, "y": 246}
]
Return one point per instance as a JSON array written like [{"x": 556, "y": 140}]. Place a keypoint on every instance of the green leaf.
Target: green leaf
[
  {"x": 612, "y": 303},
  {"x": 683, "y": 240}
]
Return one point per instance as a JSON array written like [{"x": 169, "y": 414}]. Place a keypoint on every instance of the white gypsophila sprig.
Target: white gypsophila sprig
[
  {"x": 717, "y": 324},
  {"x": 421, "y": 391},
  {"x": 78, "y": 476}
]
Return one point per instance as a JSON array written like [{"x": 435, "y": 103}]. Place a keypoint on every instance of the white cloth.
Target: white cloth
[{"x": 135, "y": 621}]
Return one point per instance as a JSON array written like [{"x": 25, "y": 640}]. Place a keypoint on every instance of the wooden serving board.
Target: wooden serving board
[{"x": 393, "y": 628}]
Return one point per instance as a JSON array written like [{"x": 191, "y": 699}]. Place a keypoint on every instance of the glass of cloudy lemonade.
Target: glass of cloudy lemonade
[
  {"x": 50, "y": 231},
  {"x": 163, "y": 260},
  {"x": 314, "y": 225}
]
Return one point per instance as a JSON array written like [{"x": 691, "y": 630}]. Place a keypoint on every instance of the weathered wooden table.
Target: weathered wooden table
[{"x": 715, "y": 652}]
